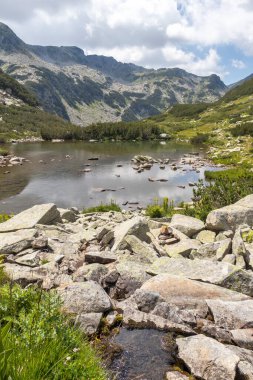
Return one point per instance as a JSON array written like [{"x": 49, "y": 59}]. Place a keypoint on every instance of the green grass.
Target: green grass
[
  {"x": 4, "y": 217},
  {"x": 102, "y": 208},
  {"x": 37, "y": 342},
  {"x": 232, "y": 174},
  {"x": 160, "y": 208},
  {"x": 4, "y": 152}
]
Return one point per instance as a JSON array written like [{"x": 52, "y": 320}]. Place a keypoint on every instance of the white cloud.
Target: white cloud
[
  {"x": 154, "y": 33},
  {"x": 238, "y": 64},
  {"x": 187, "y": 60}
]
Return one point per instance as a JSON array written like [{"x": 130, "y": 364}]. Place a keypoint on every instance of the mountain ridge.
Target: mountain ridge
[{"x": 88, "y": 89}]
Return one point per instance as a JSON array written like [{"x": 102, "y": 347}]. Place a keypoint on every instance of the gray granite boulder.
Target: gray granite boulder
[
  {"x": 39, "y": 214},
  {"x": 232, "y": 216}
]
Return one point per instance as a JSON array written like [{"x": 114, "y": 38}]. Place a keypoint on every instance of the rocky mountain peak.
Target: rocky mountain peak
[{"x": 9, "y": 41}]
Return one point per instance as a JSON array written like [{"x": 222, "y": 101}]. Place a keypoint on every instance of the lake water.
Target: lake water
[
  {"x": 143, "y": 357},
  {"x": 59, "y": 179}
]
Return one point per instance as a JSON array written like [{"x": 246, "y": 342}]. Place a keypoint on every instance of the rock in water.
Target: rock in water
[{"x": 39, "y": 214}]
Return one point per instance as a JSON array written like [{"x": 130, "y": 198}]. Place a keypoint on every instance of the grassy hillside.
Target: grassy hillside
[{"x": 226, "y": 126}]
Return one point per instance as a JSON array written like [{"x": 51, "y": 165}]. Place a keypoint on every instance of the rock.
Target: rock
[
  {"x": 68, "y": 215},
  {"x": 245, "y": 366},
  {"x": 136, "y": 226},
  {"x": 25, "y": 275},
  {"x": 243, "y": 337},
  {"x": 206, "y": 358},
  {"x": 131, "y": 276},
  {"x": 183, "y": 248},
  {"x": 224, "y": 235},
  {"x": 231, "y": 217},
  {"x": 188, "y": 294},
  {"x": 213, "y": 251},
  {"x": 91, "y": 272},
  {"x": 174, "y": 375},
  {"x": 245, "y": 370},
  {"x": 39, "y": 214},
  {"x": 87, "y": 297},
  {"x": 15, "y": 242},
  {"x": 187, "y": 224},
  {"x": 230, "y": 259},
  {"x": 40, "y": 243},
  {"x": 100, "y": 257},
  {"x": 138, "y": 319},
  {"x": 89, "y": 322},
  {"x": 145, "y": 301},
  {"x": 101, "y": 232},
  {"x": 231, "y": 314},
  {"x": 31, "y": 259},
  {"x": 112, "y": 318},
  {"x": 240, "y": 281},
  {"x": 193, "y": 269},
  {"x": 208, "y": 328},
  {"x": 239, "y": 250},
  {"x": 206, "y": 236},
  {"x": 143, "y": 252}
]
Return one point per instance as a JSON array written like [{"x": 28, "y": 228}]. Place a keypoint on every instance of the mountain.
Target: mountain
[
  {"x": 89, "y": 88},
  {"x": 20, "y": 116},
  {"x": 226, "y": 126}
]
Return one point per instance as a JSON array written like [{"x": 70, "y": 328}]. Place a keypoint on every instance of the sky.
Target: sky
[{"x": 200, "y": 36}]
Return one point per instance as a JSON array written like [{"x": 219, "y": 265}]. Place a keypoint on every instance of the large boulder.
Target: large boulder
[
  {"x": 136, "y": 226},
  {"x": 213, "y": 251},
  {"x": 39, "y": 214},
  {"x": 232, "y": 216},
  {"x": 207, "y": 359},
  {"x": 187, "y": 293},
  {"x": 11, "y": 242},
  {"x": 141, "y": 250},
  {"x": 188, "y": 225},
  {"x": 132, "y": 275},
  {"x": 182, "y": 248},
  {"x": 86, "y": 297},
  {"x": 231, "y": 314},
  {"x": 193, "y": 269}
]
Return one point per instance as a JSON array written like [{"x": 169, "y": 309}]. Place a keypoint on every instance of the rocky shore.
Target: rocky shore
[{"x": 183, "y": 276}]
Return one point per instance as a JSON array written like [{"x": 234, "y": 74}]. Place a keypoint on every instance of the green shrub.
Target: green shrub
[
  {"x": 4, "y": 152},
  {"x": 200, "y": 138},
  {"x": 242, "y": 130},
  {"x": 221, "y": 192},
  {"x": 38, "y": 341},
  {"x": 102, "y": 208},
  {"x": 156, "y": 210},
  {"x": 188, "y": 110},
  {"x": 4, "y": 217}
]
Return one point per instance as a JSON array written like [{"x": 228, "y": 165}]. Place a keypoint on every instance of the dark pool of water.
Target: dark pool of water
[
  {"x": 143, "y": 357},
  {"x": 60, "y": 180}
]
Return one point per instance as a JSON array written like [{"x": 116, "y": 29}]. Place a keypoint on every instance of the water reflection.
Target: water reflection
[{"x": 51, "y": 177}]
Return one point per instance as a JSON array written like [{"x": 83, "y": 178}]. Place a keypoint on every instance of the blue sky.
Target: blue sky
[{"x": 200, "y": 36}]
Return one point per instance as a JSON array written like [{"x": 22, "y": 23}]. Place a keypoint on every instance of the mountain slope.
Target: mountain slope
[
  {"x": 87, "y": 89},
  {"x": 20, "y": 116},
  {"x": 226, "y": 125}
]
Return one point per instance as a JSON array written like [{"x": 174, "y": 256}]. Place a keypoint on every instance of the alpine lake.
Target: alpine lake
[{"x": 84, "y": 174}]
